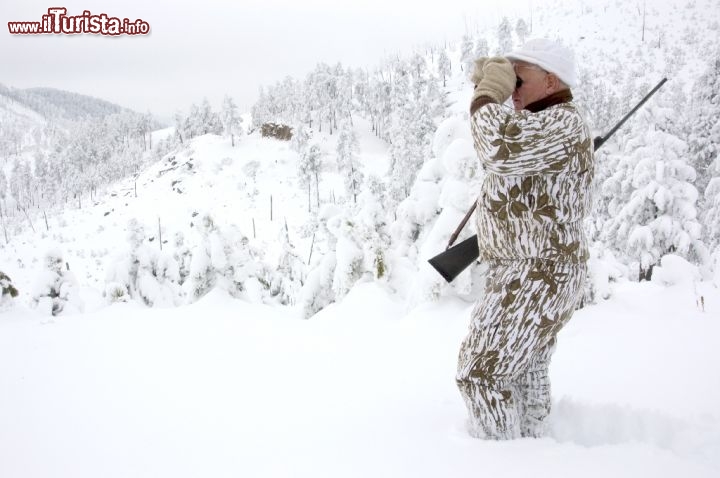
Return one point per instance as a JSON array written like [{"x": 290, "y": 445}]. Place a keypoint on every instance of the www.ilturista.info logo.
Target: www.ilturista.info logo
[{"x": 59, "y": 23}]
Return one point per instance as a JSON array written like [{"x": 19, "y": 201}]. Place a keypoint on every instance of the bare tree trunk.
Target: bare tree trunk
[
  {"x": 2, "y": 219},
  {"x": 643, "y": 24},
  {"x": 645, "y": 274},
  {"x": 47, "y": 226},
  {"x": 531, "y": 17},
  {"x": 317, "y": 188},
  {"x": 24, "y": 210},
  {"x": 160, "y": 233},
  {"x": 254, "y": 235},
  {"x": 312, "y": 244},
  {"x": 354, "y": 186}
]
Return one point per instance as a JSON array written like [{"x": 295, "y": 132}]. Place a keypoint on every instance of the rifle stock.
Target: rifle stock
[{"x": 457, "y": 258}]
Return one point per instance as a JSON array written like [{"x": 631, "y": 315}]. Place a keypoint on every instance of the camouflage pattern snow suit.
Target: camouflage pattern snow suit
[{"x": 539, "y": 168}]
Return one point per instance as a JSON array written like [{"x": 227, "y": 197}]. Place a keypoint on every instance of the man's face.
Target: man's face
[{"x": 533, "y": 84}]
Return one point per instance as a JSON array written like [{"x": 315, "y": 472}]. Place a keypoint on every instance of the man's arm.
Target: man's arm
[{"x": 525, "y": 143}]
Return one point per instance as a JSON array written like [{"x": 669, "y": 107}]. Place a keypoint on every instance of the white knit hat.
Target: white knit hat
[{"x": 550, "y": 56}]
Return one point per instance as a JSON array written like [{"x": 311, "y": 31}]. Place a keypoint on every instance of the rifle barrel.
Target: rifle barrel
[
  {"x": 600, "y": 140},
  {"x": 455, "y": 234}
]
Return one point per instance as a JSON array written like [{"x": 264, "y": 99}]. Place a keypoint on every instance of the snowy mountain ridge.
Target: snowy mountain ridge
[{"x": 58, "y": 105}]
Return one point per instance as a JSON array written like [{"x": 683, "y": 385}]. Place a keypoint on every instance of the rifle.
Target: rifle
[{"x": 456, "y": 259}]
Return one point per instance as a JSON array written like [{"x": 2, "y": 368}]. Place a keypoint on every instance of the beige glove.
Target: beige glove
[
  {"x": 498, "y": 80},
  {"x": 477, "y": 74}
]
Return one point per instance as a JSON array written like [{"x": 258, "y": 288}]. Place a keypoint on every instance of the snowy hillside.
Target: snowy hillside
[
  {"x": 242, "y": 186},
  {"x": 425, "y": 186}
]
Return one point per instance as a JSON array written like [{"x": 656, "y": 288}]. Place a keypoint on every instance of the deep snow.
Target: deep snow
[{"x": 227, "y": 388}]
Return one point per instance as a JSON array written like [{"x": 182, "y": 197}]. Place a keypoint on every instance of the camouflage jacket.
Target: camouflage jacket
[{"x": 538, "y": 173}]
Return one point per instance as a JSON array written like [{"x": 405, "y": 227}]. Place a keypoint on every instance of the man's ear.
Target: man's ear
[{"x": 552, "y": 83}]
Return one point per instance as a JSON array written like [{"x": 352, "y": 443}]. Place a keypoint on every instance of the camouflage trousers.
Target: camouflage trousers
[{"x": 503, "y": 362}]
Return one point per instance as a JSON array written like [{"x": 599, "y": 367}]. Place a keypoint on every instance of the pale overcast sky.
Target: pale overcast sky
[{"x": 212, "y": 47}]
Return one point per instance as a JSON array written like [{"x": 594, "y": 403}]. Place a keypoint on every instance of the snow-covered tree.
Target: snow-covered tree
[
  {"x": 437, "y": 202},
  {"x": 146, "y": 125},
  {"x": 401, "y": 172},
  {"x": 380, "y": 104},
  {"x": 313, "y": 99},
  {"x": 230, "y": 119},
  {"x": 206, "y": 120},
  {"x": 45, "y": 179},
  {"x": 444, "y": 66},
  {"x": 481, "y": 50},
  {"x": 8, "y": 292},
  {"x": 370, "y": 229},
  {"x": 318, "y": 291},
  {"x": 348, "y": 165},
  {"x": 348, "y": 254},
  {"x": 354, "y": 247},
  {"x": 416, "y": 104},
  {"x": 158, "y": 279},
  {"x": 224, "y": 258},
  {"x": 467, "y": 51},
  {"x": 504, "y": 35},
  {"x": 711, "y": 216},
  {"x": 122, "y": 270},
  {"x": 309, "y": 169},
  {"x": 522, "y": 30},
  {"x": 3, "y": 202},
  {"x": 56, "y": 289},
  {"x": 301, "y": 138},
  {"x": 144, "y": 272},
  {"x": 180, "y": 133},
  {"x": 345, "y": 94},
  {"x": 287, "y": 280},
  {"x": 260, "y": 110},
  {"x": 21, "y": 183},
  {"x": 182, "y": 256},
  {"x": 703, "y": 133},
  {"x": 3, "y": 185},
  {"x": 659, "y": 215}
]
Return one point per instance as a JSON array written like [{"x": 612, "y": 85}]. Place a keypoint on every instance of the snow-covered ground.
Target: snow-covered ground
[{"x": 364, "y": 389}]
